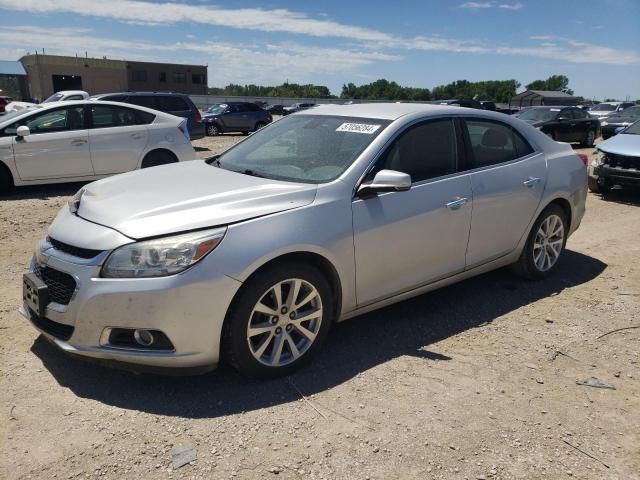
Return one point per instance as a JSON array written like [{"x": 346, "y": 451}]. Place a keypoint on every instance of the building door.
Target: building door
[{"x": 66, "y": 82}]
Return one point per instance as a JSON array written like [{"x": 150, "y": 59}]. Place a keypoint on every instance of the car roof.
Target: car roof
[
  {"x": 98, "y": 95},
  {"x": 384, "y": 111}
]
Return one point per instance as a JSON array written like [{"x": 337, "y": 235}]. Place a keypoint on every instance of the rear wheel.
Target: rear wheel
[
  {"x": 599, "y": 185},
  {"x": 213, "y": 130},
  {"x": 158, "y": 157},
  {"x": 544, "y": 246},
  {"x": 278, "y": 321},
  {"x": 258, "y": 126}
]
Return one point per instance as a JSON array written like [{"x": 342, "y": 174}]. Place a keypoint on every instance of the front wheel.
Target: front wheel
[
  {"x": 278, "y": 321},
  {"x": 545, "y": 244},
  {"x": 598, "y": 185},
  {"x": 590, "y": 139}
]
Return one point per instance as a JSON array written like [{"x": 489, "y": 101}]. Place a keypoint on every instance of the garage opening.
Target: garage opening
[{"x": 66, "y": 82}]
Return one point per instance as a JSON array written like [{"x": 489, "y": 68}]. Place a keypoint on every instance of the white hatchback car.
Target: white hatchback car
[{"x": 86, "y": 140}]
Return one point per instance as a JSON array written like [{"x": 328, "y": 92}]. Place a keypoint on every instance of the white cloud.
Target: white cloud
[
  {"x": 487, "y": 5},
  {"x": 147, "y": 13},
  {"x": 513, "y": 6},
  {"x": 254, "y": 63}
]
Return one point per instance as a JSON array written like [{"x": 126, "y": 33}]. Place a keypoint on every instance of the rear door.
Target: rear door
[
  {"x": 565, "y": 130},
  {"x": 507, "y": 178},
  {"x": 584, "y": 123},
  {"x": 117, "y": 137},
  {"x": 406, "y": 239},
  {"x": 58, "y": 146}
]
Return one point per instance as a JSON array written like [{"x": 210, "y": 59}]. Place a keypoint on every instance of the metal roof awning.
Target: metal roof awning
[{"x": 13, "y": 68}]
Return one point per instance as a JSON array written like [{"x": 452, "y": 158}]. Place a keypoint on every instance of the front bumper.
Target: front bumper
[
  {"x": 189, "y": 308},
  {"x": 623, "y": 176}
]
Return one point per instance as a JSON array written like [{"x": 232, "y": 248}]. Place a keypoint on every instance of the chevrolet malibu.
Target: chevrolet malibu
[
  {"x": 75, "y": 141},
  {"x": 251, "y": 256}
]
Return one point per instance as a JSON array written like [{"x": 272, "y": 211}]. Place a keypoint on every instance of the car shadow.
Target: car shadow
[
  {"x": 201, "y": 149},
  {"x": 354, "y": 346},
  {"x": 42, "y": 192},
  {"x": 626, "y": 195}
]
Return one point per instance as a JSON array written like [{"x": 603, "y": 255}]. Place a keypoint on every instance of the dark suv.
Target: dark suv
[
  {"x": 177, "y": 104},
  {"x": 242, "y": 117}
]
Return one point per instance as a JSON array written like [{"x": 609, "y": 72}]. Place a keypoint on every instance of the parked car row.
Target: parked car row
[
  {"x": 241, "y": 117},
  {"x": 84, "y": 140}
]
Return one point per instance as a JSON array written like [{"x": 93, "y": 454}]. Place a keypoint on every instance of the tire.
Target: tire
[
  {"x": 590, "y": 139},
  {"x": 297, "y": 341},
  {"x": 6, "y": 181},
  {"x": 598, "y": 186},
  {"x": 258, "y": 126},
  {"x": 213, "y": 130},
  {"x": 537, "y": 262},
  {"x": 158, "y": 157},
  {"x": 245, "y": 132}
]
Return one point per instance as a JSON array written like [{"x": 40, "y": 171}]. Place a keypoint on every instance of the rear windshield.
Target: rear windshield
[
  {"x": 603, "y": 107},
  {"x": 56, "y": 97},
  {"x": 303, "y": 148},
  {"x": 538, "y": 114}
]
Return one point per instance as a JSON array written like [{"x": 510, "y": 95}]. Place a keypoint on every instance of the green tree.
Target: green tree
[
  {"x": 558, "y": 83},
  {"x": 491, "y": 90},
  {"x": 383, "y": 89},
  {"x": 284, "y": 90}
]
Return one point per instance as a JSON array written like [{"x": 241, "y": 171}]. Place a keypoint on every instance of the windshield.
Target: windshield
[
  {"x": 629, "y": 112},
  {"x": 538, "y": 114},
  {"x": 603, "y": 107},
  {"x": 633, "y": 129},
  {"x": 217, "y": 109},
  {"x": 56, "y": 97},
  {"x": 303, "y": 148}
]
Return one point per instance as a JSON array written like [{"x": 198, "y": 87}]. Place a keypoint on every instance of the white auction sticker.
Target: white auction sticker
[{"x": 358, "y": 128}]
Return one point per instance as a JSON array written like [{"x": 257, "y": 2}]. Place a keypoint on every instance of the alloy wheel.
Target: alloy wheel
[
  {"x": 285, "y": 322},
  {"x": 548, "y": 243}
]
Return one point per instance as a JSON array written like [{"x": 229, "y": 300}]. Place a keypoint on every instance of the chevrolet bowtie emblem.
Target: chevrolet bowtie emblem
[{"x": 74, "y": 203}]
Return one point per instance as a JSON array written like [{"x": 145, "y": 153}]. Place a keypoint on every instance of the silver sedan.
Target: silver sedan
[{"x": 251, "y": 256}]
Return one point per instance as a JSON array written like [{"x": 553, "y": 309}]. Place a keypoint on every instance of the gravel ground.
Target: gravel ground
[{"x": 475, "y": 381}]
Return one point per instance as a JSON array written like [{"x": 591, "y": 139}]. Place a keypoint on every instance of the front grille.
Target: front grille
[
  {"x": 622, "y": 161},
  {"x": 61, "y": 285},
  {"x": 75, "y": 251},
  {"x": 55, "y": 329}
]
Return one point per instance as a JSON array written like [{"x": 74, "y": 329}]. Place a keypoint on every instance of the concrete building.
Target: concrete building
[
  {"x": 48, "y": 74},
  {"x": 13, "y": 80}
]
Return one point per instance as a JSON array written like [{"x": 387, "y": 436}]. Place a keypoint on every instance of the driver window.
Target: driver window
[
  {"x": 424, "y": 151},
  {"x": 59, "y": 120}
]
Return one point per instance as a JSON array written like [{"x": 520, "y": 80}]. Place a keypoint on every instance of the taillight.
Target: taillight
[
  {"x": 197, "y": 117},
  {"x": 584, "y": 158}
]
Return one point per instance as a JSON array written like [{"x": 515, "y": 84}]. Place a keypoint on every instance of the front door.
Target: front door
[
  {"x": 406, "y": 239},
  {"x": 58, "y": 146},
  {"x": 118, "y": 137},
  {"x": 508, "y": 179}
]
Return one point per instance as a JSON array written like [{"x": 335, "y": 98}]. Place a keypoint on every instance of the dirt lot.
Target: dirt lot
[{"x": 475, "y": 381}]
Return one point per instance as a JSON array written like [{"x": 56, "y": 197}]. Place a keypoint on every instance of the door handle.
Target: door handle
[
  {"x": 78, "y": 142},
  {"x": 531, "y": 182},
  {"x": 457, "y": 203}
]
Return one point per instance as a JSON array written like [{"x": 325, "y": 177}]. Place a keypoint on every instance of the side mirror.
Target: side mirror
[
  {"x": 562, "y": 119},
  {"x": 386, "y": 181},
  {"x": 23, "y": 131}
]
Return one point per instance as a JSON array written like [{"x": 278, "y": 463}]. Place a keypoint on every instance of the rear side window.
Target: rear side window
[
  {"x": 142, "y": 100},
  {"x": 106, "y": 116},
  {"x": 424, "y": 151},
  {"x": 580, "y": 114},
  {"x": 252, "y": 107},
  {"x": 114, "y": 98},
  {"x": 494, "y": 142},
  {"x": 172, "y": 104}
]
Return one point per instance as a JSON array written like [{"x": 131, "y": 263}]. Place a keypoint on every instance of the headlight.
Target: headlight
[
  {"x": 598, "y": 158},
  {"x": 162, "y": 256},
  {"x": 604, "y": 123}
]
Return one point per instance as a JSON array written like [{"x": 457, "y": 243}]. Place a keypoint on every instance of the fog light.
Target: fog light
[{"x": 143, "y": 337}]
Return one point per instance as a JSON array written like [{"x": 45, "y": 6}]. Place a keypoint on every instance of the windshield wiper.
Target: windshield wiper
[
  {"x": 252, "y": 173},
  {"x": 215, "y": 161}
]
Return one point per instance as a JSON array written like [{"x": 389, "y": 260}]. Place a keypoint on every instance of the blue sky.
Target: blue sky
[{"x": 596, "y": 43}]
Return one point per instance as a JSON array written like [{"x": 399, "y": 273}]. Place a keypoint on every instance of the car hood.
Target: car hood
[
  {"x": 622, "y": 144},
  {"x": 621, "y": 119},
  {"x": 600, "y": 113},
  {"x": 186, "y": 196}
]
